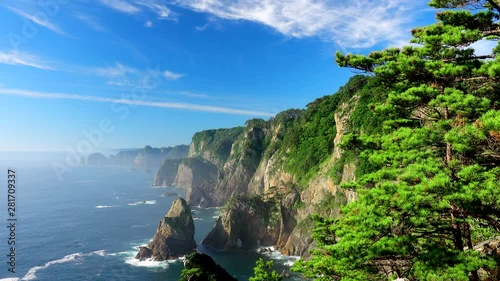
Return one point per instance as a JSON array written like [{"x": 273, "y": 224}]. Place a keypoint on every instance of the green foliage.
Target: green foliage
[
  {"x": 269, "y": 210},
  {"x": 217, "y": 141},
  {"x": 309, "y": 141},
  {"x": 431, "y": 187},
  {"x": 262, "y": 272}
]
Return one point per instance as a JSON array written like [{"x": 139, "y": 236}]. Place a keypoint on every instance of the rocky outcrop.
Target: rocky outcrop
[
  {"x": 244, "y": 224},
  {"x": 491, "y": 248},
  {"x": 174, "y": 236},
  {"x": 206, "y": 269},
  {"x": 248, "y": 221}
]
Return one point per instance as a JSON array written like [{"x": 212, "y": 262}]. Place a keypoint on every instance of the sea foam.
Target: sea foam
[
  {"x": 148, "y": 202},
  {"x": 31, "y": 274}
]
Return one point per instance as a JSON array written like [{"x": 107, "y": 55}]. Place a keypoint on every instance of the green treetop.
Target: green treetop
[{"x": 435, "y": 189}]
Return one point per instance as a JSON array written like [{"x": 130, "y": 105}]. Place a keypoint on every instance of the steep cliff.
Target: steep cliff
[
  {"x": 174, "y": 236},
  {"x": 167, "y": 172},
  {"x": 199, "y": 177},
  {"x": 294, "y": 160}
]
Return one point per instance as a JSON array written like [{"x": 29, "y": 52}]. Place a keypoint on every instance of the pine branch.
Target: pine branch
[{"x": 494, "y": 5}]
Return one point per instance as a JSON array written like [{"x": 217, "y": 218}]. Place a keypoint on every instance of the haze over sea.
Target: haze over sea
[{"x": 89, "y": 225}]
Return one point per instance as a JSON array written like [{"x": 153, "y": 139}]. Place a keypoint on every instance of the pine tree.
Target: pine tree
[
  {"x": 262, "y": 272},
  {"x": 436, "y": 182}
]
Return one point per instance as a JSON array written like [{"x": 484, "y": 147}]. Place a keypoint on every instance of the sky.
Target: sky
[{"x": 100, "y": 74}]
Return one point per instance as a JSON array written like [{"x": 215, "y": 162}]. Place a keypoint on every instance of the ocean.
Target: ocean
[{"x": 89, "y": 224}]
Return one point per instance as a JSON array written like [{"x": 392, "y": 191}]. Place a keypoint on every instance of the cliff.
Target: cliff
[
  {"x": 294, "y": 160},
  {"x": 146, "y": 158},
  {"x": 174, "y": 236}
]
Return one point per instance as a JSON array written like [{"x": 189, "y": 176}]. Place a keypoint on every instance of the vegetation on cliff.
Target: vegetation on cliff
[
  {"x": 201, "y": 267},
  {"x": 217, "y": 141},
  {"x": 432, "y": 189}
]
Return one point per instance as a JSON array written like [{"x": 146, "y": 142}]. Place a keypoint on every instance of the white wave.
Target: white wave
[
  {"x": 197, "y": 219},
  {"x": 10, "y": 279},
  {"x": 148, "y": 202},
  {"x": 146, "y": 263},
  {"x": 31, "y": 274},
  {"x": 276, "y": 255},
  {"x": 104, "y": 206}
]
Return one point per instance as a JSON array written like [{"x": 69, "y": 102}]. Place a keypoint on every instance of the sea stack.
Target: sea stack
[{"x": 174, "y": 237}]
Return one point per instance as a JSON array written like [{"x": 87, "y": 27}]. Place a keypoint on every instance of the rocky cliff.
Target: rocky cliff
[
  {"x": 174, "y": 236},
  {"x": 293, "y": 160},
  {"x": 146, "y": 158}
]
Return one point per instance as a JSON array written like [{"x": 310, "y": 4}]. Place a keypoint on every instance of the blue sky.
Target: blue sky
[{"x": 154, "y": 72}]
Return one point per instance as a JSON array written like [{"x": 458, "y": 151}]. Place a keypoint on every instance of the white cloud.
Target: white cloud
[
  {"x": 91, "y": 22},
  {"x": 43, "y": 22},
  {"x": 117, "y": 70},
  {"x": 352, "y": 24},
  {"x": 21, "y": 58},
  {"x": 156, "y": 7},
  {"x": 120, "y": 83},
  {"x": 135, "y": 6},
  {"x": 172, "y": 75},
  {"x": 121, "y": 6},
  {"x": 148, "y": 23},
  {"x": 182, "y": 106}
]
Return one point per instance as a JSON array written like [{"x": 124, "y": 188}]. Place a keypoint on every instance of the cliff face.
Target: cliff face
[
  {"x": 174, "y": 236},
  {"x": 199, "y": 177},
  {"x": 259, "y": 218},
  {"x": 293, "y": 159},
  {"x": 167, "y": 172}
]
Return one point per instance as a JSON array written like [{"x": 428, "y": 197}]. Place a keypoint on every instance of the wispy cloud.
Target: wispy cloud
[
  {"x": 22, "y": 58},
  {"x": 171, "y": 105},
  {"x": 162, "y": 11},
  {"x": 121, "y": 6},
  {"x": 353, "y": 24},
  {"x": 172, "y": 75},
  {"x": 117, "y": 70},
  {"x": 135, "y": 6},
  {"x": 121, "y": 83},
  {"x": 43, "y": 22},
  {"x": 148, "y": 23},
  {"x": 91, "y": 22}
]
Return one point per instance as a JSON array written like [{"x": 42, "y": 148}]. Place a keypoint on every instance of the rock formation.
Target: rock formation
[
  {"x": 293, "y": 159},
  {"x": 247, "y": 222},
  {"x": 174, "y": 236},
  {"x": 205, "y": 269}
]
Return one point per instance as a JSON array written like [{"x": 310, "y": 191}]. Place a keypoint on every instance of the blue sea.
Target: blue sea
[{"x": 89, "y": 224}]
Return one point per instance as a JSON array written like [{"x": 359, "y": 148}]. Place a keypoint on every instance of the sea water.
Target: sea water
[{"x": 88, "y": 224}]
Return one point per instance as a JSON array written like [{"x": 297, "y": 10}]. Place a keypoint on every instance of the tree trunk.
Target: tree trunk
[{"x": 474, "y": 275}]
